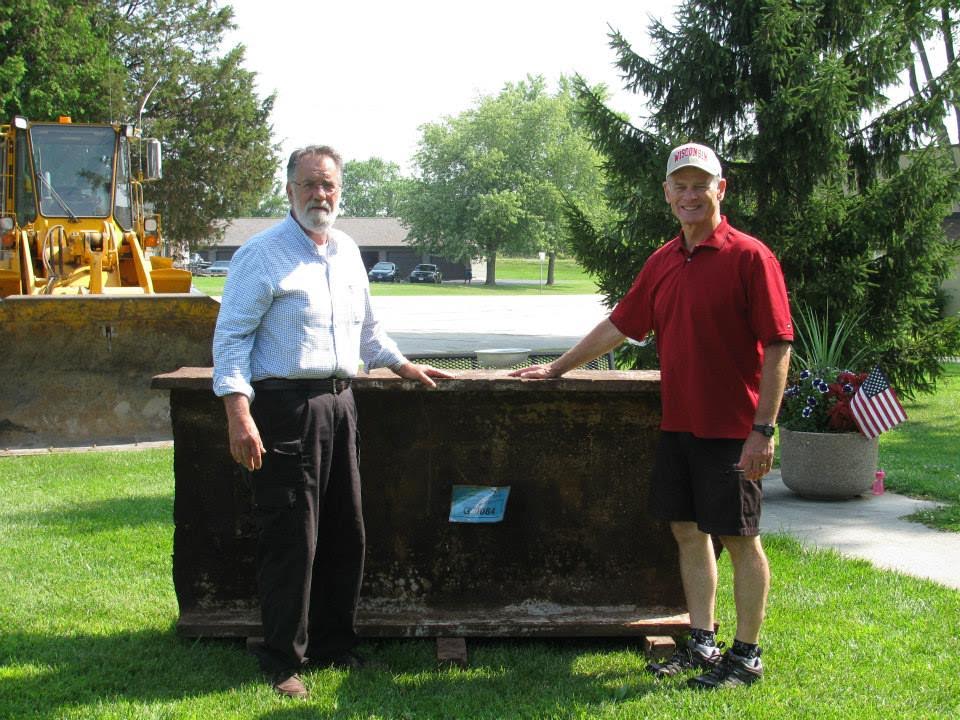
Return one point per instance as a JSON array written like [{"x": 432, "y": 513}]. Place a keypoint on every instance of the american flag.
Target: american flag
[{"x": 875, "y": 406}]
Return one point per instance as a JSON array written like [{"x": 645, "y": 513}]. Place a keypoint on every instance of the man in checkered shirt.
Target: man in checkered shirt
[{"x": 294, "y": 325}]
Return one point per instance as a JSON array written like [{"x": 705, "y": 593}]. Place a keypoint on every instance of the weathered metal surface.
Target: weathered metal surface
[
  {"x": 76, "y": 370},
  {"x": 575, "y": 553},
  {"x": 518, "y": 620}
]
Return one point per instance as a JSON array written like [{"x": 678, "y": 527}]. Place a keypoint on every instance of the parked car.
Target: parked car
[
  {"x": 383, "y": 272},
  {"x": 425, "y": 273},
  {"x": 197, "y": 264},
  {"x": 218, "y": 268}
]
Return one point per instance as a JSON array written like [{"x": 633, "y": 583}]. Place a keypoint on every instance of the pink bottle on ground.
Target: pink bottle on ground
[{"x": 878, "y": 482}]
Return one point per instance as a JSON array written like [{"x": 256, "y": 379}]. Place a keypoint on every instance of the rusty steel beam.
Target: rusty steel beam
[{"x": 574, "y": 555}]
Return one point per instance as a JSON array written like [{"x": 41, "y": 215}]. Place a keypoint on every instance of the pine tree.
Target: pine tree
[{"x": 848, "y": 189}]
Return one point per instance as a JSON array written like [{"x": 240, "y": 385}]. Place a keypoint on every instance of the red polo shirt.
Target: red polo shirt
[{"x": 712, "y": 311}]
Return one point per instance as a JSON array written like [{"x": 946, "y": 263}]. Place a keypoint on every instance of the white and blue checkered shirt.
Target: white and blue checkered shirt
[{"x": 295, "y": 309}]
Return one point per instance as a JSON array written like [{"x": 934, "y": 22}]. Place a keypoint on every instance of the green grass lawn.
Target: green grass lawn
[
  {"x": 209, "y": 285},
  {"x": 87, "y": 611},
  {"x": 921, "y": 457},
  {"x": 515, "y": 276}
]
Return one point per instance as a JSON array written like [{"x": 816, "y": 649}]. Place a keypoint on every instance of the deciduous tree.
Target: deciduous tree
[
  {"x": 219, "y": 156},
  {"x": 371, "y": 188},
  {"x": 276, "y": 204},
  {"x": 496, "y": 177},
  {"x": 54, "y": 61}
]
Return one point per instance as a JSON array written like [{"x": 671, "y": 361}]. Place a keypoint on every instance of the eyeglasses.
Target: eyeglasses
[{"x": 311, "y": 186}]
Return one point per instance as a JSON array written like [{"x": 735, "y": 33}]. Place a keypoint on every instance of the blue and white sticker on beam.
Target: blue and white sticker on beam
[{"x": 478, "y": 503}]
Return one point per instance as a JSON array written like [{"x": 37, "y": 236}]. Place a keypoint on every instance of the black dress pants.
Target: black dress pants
[{"x": 311, "y": 535}]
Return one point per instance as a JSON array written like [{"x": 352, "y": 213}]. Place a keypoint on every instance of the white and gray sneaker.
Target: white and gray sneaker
[
  {"x": 691, "y": 656},
  {"x": 732, "y": 671}
]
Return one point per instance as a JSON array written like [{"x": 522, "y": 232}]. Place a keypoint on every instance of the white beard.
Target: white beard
[{"x": 318, "y": 219}]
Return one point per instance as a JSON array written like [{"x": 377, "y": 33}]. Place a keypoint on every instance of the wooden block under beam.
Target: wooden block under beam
[
  {"x": 658, "y": 647},
  {"x": 452, "y": 651}
]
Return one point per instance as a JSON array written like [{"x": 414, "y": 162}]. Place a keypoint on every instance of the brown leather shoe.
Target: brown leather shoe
[{"x": 290, "y": 685}]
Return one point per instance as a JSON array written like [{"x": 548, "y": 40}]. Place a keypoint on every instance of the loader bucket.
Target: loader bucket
[{"x": 76, "y": 370}]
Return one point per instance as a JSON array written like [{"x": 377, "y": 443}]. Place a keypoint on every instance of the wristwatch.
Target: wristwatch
[{"x": 765, "y": 430}]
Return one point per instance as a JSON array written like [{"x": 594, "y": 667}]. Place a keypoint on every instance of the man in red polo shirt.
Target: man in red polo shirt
[{"x": 715, "y": 299}]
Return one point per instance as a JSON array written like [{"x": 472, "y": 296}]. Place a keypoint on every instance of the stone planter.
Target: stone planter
[{"x": 827, "y": 465}]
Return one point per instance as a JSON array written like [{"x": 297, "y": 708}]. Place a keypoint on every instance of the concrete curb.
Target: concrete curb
[{"x": 17, "y": 452}]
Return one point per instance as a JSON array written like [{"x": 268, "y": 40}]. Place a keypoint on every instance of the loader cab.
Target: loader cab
[
  {"x": 76, "y": 202},
  {"x": 65, "y": 171},
  {"x": 73, "y": 169}
]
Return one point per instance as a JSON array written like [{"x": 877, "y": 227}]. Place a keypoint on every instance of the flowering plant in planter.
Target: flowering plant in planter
[{"x": 819, "y": 401}]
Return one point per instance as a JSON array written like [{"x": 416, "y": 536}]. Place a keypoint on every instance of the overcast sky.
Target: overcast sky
[{"x": 364, "y": 75}]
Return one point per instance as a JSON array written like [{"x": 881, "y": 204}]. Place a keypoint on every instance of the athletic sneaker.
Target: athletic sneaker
[
  {"x": 692, "y": 655},
  {"x": 732, "y": 671}
]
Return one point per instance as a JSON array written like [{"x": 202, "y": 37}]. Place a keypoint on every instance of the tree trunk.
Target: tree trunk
[
  {"x": 551, "y": 266},
  {"x": 946, "y": 27},
  {"x": 941, "y": 129},
  {"x": 912, "y": 77},
  {"x": 491, "y": 268}
]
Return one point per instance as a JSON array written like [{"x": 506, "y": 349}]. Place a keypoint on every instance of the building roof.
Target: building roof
[{"x": 366, "y": 232}]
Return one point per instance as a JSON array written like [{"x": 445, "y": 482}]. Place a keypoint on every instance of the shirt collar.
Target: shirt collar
[
  {"x": 716, "y": 240},
  {"x": 322, "y": 251}
]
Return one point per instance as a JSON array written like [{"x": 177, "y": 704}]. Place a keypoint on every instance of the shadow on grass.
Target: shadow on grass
[
  {"x": 512, "y": 678},
  {"x": 44, "y": 675},
  {"x": 932, "y": 429},
  {"x": 45, "y": 672},
  {"x": 101, "y": 515}
]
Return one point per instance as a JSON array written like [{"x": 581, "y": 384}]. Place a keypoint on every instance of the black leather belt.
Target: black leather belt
[{"x": 318, "y": 385}]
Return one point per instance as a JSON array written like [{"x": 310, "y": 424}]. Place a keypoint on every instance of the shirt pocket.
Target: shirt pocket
[{"x": 357, "y": 298}]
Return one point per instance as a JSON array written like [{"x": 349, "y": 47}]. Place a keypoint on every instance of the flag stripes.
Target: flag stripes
[{"x": 875, "y": 406}]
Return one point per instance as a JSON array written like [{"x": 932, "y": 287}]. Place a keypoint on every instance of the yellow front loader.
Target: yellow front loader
[{"x": 89, "y": 309}]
